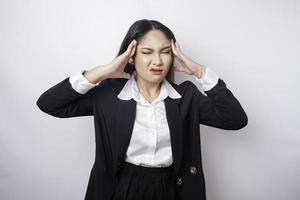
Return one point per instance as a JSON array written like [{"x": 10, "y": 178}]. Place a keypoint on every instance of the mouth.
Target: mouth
[{"x": 156, "y": 70}]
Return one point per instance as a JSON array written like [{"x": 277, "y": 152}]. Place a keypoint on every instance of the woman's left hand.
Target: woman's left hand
[{"x": 187, "y": 65}]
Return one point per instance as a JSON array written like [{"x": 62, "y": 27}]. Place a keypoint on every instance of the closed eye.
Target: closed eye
[{"x": 150, "y": 53}]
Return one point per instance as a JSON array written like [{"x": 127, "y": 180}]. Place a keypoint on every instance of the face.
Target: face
[{"x": 153, "y": 52}]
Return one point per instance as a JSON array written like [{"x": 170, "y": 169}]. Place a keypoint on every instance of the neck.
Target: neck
[{"x": 147, "y": 88}]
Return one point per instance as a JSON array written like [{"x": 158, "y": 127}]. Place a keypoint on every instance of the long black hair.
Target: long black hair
[{"x": 136, "y": 31}]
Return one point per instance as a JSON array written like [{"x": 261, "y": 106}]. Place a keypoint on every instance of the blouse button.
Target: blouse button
[
  {"x": 193, "y": 170},
  {"x": 179, "y": 181}
]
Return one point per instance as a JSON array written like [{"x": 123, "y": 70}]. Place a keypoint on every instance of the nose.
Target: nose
[{"x": 157, "y": 60}]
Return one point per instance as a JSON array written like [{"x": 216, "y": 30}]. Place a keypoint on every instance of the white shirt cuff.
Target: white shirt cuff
[
  {"x": 80, "y": 83},
  {"x": 209, "y": 80}
]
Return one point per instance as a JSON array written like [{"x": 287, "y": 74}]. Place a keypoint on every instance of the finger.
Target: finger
[
  {"x": 178, "y": 48},
  {"x": 129, "y": 48},
  {"x": 177, "y": 45},
  {"x": 177, "y": 52},
  {"x": 172, "y": 43},
  {"x": 133, "y": 49},
  {"x": 174, "y": 48},
  {"x": 180, "y": 61}
]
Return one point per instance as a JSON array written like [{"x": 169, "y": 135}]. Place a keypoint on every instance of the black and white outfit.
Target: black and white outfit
[{"x": 146, "y": 150}]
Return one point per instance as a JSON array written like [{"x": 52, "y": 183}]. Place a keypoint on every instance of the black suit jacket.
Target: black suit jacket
[{"x": 114, "y": 120}]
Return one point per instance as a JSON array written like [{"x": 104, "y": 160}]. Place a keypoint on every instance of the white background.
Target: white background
[{"x": 253, "y": 45}]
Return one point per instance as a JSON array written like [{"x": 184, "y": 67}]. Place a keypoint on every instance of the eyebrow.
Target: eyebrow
[{"x": 153, "y": 49}]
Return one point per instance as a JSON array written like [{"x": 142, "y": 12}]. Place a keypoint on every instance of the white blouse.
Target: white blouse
[{"x": 150, "y": 143}]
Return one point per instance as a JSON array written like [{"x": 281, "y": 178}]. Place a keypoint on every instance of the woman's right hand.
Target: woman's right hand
[
  {"x": 117, "y": 66},
  {"x": 115, "y": 69}
]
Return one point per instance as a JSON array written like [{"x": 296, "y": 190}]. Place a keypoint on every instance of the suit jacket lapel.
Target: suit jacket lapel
[
  {"x": 123, "y": 125},
  {"x": 176, "y": 131}
]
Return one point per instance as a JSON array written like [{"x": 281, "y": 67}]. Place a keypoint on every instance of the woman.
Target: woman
[{"x": 146, "y": 126}]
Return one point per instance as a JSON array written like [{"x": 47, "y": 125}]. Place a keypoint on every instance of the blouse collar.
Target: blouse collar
[{"x": 130, "y": 90}]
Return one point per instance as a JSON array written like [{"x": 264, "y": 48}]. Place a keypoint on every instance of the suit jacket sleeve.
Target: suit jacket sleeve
[
  {"x": 72, "y": 97},
  {"x": 219, "y": 108}
]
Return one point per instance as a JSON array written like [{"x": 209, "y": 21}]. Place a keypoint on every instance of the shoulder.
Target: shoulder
[
  {"x": 184, "y": 88},
  {"x": 112, "y": 85}
]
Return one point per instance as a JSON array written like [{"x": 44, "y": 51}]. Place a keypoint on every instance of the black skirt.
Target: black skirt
[{"x": 146, "y": 183}]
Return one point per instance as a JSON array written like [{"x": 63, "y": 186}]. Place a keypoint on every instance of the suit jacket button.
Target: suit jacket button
[
  {"x": 193, "y": 170},
  {"x": 179, "y": 181}
]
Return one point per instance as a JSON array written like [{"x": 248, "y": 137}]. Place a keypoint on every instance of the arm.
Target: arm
[
  {"x": 219, "y": 109},
  {"x": 72, "y": 97}
]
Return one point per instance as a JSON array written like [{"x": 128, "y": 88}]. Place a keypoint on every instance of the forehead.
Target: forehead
[{"x": 154, "y": 39}]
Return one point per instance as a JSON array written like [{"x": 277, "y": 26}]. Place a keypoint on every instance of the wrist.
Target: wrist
[
  {"x": 200, "y": 72},
  {"x": 97, "y": 74}
]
